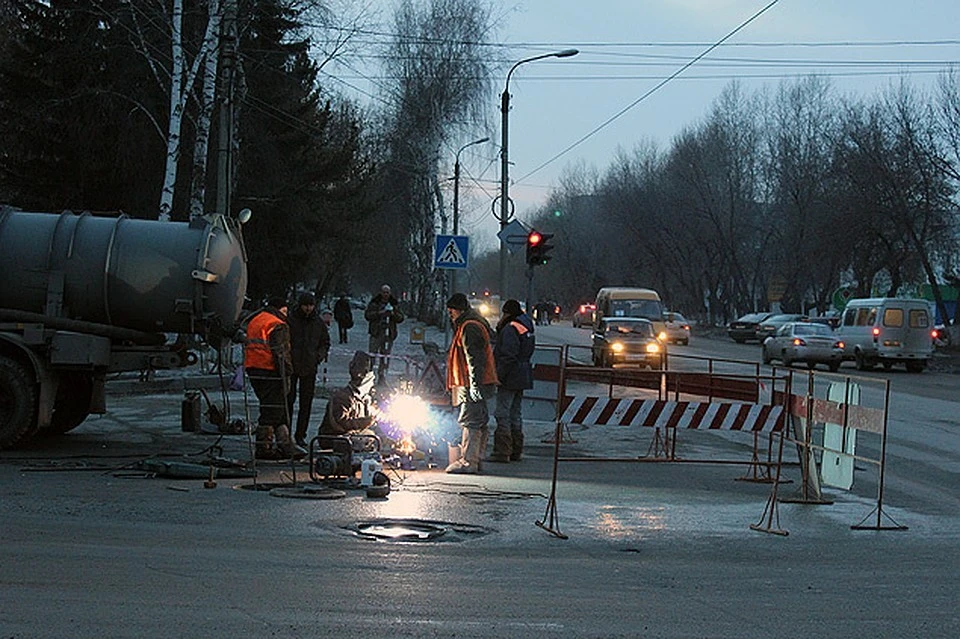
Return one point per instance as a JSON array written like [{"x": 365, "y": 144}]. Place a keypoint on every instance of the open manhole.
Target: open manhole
[{"x": 415, "y": 530}]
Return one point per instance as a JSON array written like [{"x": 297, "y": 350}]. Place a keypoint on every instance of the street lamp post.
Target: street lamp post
[
  {"x": 456, "y": 202},
  {"x": 505, "y": 213}
]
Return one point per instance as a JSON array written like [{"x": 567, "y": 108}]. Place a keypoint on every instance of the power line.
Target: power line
[{"x": 653, "y": 90}]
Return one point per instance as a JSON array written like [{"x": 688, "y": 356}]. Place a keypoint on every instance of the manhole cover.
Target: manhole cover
[
  {"x": 308, "y": 492},
  {"x": 415, "y": 530}
]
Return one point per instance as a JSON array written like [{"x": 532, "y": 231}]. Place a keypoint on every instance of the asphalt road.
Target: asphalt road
[{"x": 94, "y": 547}]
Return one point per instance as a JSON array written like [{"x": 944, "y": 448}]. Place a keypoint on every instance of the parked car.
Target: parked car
[
  {"x": 773, "y": 323},
  {"x": 677, "y": 328},
  {"x": 583, "y": 316},
  {"x": 808, "y": 342},
  {"x": 830, "y": 319},
  {"x": 627, "y": 340},
  {"x": 745, "y": 328}
]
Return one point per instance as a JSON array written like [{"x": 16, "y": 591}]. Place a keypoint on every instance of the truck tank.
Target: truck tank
[{"x": 142, "y": 275}]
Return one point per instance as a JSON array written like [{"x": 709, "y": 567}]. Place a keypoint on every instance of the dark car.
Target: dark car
[
  {"x": 745, "y": 328},
  {"x": 808, "y": 342},
  {"x": 627, "y": 340},
  {"x": 772, "y": 324}
]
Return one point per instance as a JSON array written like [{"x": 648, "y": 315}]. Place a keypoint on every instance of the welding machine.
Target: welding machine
[{"x": 341, "y": 456}]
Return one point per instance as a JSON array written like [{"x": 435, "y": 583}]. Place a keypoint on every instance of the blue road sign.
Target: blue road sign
[{"x": 451, "y": 251}]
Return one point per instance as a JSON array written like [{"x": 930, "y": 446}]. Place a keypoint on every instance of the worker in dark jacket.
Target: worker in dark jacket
[
  {"x": 512, "y": 351},
  {"x": 309, "y": 345},
  {"x": 351, "y": 409},
  {"x": 266, "y": 359},
  {"x": 383, "y": 314},
  {"x": 472, "y": 380}
]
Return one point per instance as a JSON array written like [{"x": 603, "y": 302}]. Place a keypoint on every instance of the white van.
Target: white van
[{"x": 888, "y": 331}]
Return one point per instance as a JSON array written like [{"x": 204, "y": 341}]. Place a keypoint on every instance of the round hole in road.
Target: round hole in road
[{"x": 415, "y": 530}]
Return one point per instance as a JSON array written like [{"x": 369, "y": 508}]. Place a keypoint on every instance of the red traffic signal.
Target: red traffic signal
[{"x": 537, "y": 248}]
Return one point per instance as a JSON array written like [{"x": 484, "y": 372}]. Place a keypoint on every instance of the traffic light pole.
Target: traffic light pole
[{"x": 530, "y": 290}]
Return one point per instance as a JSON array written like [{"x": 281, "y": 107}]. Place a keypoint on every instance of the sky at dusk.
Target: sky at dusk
[{"x": 579, "y": 111}]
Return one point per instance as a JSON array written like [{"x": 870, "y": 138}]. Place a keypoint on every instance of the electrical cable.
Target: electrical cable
[{"x": 652, "y": 90}]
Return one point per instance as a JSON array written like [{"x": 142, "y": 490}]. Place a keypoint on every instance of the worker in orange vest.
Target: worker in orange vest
[
  {"x": 268, "y": 365},
  {"x": 472, "y": 380}
]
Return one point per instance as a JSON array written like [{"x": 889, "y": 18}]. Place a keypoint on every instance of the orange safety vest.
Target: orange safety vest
[
  {"x": 257, "y": 352},
  {"x": 458, "y": 373}
]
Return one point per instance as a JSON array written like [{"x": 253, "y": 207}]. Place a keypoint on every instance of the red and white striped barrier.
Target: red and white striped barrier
[{"x": 597, "y": 411}]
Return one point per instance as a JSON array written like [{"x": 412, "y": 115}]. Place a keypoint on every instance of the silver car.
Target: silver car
[
  {"x": 677, "y": 328},
  {"x": 804, "y": 342}
]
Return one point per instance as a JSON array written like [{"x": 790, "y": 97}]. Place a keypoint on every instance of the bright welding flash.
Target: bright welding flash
[{"x": 407, "y": 412}]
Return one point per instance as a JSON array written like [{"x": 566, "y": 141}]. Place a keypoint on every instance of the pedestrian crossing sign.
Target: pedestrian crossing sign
[{"x": 451, "y": 251}]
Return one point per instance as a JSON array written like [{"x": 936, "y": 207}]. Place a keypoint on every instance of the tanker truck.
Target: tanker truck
[{"x": 85, "y": 296}]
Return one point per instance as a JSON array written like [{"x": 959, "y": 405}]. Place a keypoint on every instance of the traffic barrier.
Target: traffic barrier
[
  {"x": 596, "y": 411},
  {"x": 825, "y": 419},
  {"x": 667, "y": 417}
]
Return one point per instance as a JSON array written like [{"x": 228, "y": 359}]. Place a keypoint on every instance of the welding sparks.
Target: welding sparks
[{"x": 407, "y": 413}]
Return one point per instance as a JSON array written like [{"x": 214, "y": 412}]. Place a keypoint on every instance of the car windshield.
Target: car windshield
[
  {"x": 812, "y": 329},
  {"x": 642, "y": 329},
  {"x": 649, "y": 309}
]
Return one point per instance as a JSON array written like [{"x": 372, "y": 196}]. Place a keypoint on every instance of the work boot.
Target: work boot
[
  {"x": 285, "y": 445},
  {"x": 517, "y": 450},
  {"x": 484, "y": 440},
  {"x": 469, "y": 463},
  {"x": 264, "y": 448},
  {"x": 502, "y": 445}
]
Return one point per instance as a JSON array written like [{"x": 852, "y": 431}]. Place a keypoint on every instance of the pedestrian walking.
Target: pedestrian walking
[
  {"x": 471, "y": 380},
  {"x": 513, "y": 348},
  {"x": 309, "y": 345},
  {"x": 267, "y": 361},
  {"x": 343, "y": 316},
  {"x": 383, "y": 314}
]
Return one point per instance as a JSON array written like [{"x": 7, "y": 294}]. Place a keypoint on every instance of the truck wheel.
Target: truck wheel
[
  {"x": 18, "y": 402},
  {"x": 72, "y": 405},
  {"x": 863, "y": 364},
  {"x": 916, "y": 366}
]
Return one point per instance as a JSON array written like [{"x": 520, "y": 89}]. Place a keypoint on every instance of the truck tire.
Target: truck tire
[
  {"x": 18, "y": 402},
  {"x": 72, "y": 405},
  {"x": 863, "y": 363}
]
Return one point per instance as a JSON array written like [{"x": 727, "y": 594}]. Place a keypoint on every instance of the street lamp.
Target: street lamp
[
  {"x": 505, "y": 212},
  {"x": 456, "y": 202}
]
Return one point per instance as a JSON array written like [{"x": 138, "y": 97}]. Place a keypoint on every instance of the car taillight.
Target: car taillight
[
  {"x": 838, "y": 345},
  {"x": 583, "y": 308},
  {"x": 798, "y": 342},
  {"x": 934, "y": 334},
  {"x": 685, "y": 327}
]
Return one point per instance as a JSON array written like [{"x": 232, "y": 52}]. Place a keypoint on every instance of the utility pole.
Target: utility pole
[{"x": 228, "y": 61}]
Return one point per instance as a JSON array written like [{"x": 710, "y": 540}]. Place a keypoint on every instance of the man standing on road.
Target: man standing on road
[
  {"x": 512, "y": 352},
  {"x": 309, "y": 344},
  {"x": 472, "y": 379},
  {"x": 266, "y": 359},
  {"x": 343, "y": 316},
  {"x": 383, "y": 314}
]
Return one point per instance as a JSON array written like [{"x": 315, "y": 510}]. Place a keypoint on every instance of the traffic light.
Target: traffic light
[{"x": 538, "y": 245}]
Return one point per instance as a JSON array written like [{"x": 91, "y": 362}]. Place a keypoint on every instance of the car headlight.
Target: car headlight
[
  {"x": 617, "y": 347},
  {"x": 484, "y": 309},
  {"x": 662, "y": 335},
  {"x": 653, "y": 347}
]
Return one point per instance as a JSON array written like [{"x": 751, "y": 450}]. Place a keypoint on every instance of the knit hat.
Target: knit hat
[
  {"x": 512, "y": 307},
  {"x": 276, "y": 301},
  {"x": 458, "y": 301},
  {"x": 308, "y": 299}
]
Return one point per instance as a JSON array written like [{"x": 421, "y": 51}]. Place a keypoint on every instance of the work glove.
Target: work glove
[{"x": 474, "y": 394}]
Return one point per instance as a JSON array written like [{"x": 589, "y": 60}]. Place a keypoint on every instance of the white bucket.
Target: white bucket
[
  {"x": 368, "y": 468},
  {"x": 454, "y": 453}
]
